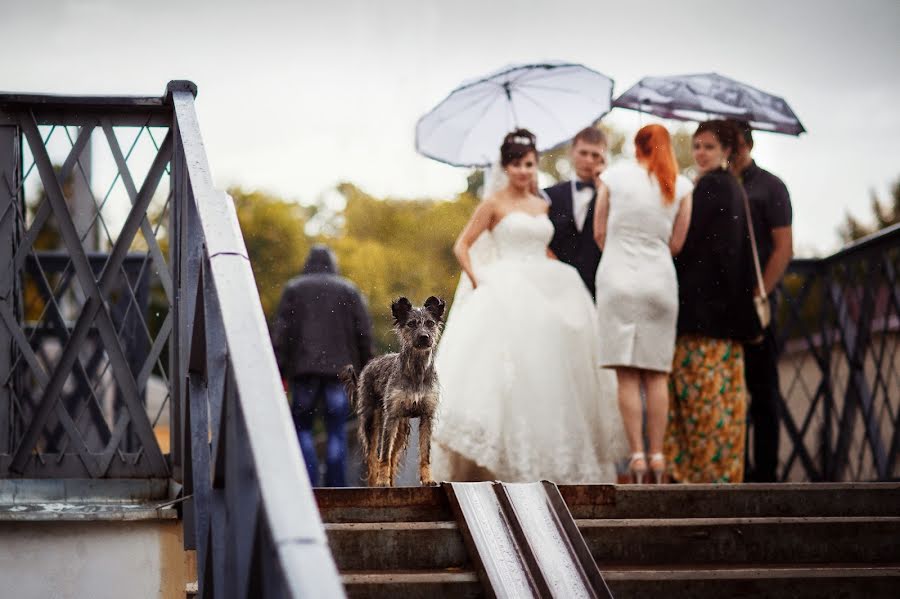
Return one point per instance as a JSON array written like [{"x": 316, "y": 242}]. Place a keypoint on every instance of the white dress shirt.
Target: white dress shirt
[{"x": 581, "y": 201}]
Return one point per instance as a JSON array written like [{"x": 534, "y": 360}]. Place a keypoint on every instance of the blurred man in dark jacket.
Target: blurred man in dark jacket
[{"x": 321, "y": 326}]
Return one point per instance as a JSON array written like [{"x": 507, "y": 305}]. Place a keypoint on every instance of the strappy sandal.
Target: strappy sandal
[
  {"x": 658, "y": 467},
  {"x": 637, "y": 466}
]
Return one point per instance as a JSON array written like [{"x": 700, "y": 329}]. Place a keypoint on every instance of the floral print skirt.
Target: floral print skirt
[{"x": 707, "y": 411}]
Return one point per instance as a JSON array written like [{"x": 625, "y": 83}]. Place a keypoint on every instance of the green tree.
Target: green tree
[
  {"x": 682, "y": 142},
  {"x": 394, "y": 247},
  {"x": 884, "y": 212},
  {"x": 277, "y": 244},
  {"x": 558, "y": 164}
]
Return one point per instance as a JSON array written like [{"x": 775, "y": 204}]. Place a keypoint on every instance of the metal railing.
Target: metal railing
[
  {"x": 76, "y": 351},
  {"x": 89, "y": 306},
  {"x": 255, "y": 521},
  {"x": 839, "y": 334}
]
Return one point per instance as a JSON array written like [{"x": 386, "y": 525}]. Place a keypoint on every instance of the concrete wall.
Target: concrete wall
[{"x": 92, "y": 559}]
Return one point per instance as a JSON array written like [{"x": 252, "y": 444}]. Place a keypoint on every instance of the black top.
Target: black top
[
  {"x": 570, "y": 245},
  {"x": 770, "y": 205},
  {"x": 322, "y": 323},
  {"x": 715, "y": 266}
]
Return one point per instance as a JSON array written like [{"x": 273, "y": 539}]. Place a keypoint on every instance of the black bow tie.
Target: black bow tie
[{"x": 579, "y": 185}]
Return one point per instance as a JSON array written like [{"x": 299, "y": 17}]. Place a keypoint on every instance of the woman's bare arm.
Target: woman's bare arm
[
  {"x": 601, "y": 214},
  {"x": 480, "y": 221},
  {"x": 681, "y": 225}
]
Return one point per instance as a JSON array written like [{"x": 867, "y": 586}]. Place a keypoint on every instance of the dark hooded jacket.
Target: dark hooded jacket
[{"x": 322, "y": 323}]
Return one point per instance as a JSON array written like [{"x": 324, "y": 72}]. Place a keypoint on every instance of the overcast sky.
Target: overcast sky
[{"x": 298, "y": 96}]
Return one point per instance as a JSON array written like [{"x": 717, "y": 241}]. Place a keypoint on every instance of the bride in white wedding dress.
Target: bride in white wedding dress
[{"x": 523, "y": 397}]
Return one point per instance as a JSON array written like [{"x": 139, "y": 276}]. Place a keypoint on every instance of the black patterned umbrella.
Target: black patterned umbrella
[{"x": 710, "y": 95}]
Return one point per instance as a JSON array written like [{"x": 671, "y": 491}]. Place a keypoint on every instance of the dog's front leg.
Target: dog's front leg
[
  {"x": 425, "y": 451},
  {"x": 386, "y": 450},
  {"x": 401, "y": 440}
]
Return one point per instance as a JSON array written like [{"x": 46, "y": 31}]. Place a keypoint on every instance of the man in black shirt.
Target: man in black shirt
[{"x": 770, "y": 207}]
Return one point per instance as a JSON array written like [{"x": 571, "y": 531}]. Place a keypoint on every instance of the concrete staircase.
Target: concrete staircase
[
  {"x": 674, "y": 541},
  {"x": 399, "y": 542},
  {"x": 743, "y": 540}
]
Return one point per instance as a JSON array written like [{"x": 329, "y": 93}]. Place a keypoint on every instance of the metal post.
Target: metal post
[
  {"x": 83, "y": 205},
  {"x": 829, "y": 472},
  {"x": 9, "y": 177},
  {"x": 178, "y": 182}
]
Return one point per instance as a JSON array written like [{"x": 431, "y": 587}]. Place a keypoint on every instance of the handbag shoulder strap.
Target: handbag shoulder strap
[{"x": 759, "y": 277}]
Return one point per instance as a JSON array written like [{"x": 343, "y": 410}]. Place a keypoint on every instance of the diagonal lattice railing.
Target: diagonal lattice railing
[
  {"x": 99, "y": 283},
  {"x": 839, "y": 330},
  {"x": 76, "y": 349}
]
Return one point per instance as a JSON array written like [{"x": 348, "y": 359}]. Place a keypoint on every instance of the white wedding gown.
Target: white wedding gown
[{"x": 522, "y": 395}]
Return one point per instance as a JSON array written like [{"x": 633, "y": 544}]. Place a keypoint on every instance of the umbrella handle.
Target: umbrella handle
[{"x": 512, "y": 107}]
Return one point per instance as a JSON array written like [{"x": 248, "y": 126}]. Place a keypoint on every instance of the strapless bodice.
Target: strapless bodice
[{"x": 520, "y": 235}]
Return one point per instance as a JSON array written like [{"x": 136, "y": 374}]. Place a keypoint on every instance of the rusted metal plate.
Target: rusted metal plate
[
  {"x": 436, "y": 584},
  {"x": 828, "y": 580},
  {"x": 615, "y": 542},
  {"x": 387, "y": 546},
  {"x": 383, "y": 504},
  {"x": 718, "y": 501}
]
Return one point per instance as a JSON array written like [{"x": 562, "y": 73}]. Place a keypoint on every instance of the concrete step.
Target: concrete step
[
  {"x": 766, "y": 581},
  {"x": 731, "y": 501},
  {"x": 420, "y": 504},
  {"x": 386, "y": 546},
  {"x": 381, "y": 504},
  {"x": 701, "y": 541},
  {"x": 776, "y": 541},
  {"x": 428, "y": 584}
]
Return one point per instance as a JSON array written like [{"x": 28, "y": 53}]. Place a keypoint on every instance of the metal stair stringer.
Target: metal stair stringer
[{"x": 523, "y": 541}]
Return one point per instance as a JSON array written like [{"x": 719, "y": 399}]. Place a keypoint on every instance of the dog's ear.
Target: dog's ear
[
  {"x": 401, "y": 309},
  {"x": 435, "y": 306}
]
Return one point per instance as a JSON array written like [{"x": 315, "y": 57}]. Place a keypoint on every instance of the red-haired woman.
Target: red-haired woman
[{"x": 640, "y": 221}]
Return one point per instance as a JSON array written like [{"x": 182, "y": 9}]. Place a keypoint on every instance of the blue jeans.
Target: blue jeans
[{"x": 308, "y": 390}]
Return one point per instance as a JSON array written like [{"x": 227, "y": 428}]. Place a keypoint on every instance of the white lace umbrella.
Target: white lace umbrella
[
  {"x": 710, "y": 95},
  {"x": 554, "y": 100}
]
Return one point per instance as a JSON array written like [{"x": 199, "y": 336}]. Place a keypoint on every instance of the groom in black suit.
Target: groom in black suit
[{"x": 572, "y": 206}]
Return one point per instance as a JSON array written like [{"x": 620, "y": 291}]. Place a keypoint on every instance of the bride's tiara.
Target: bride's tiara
[{"x": 521, "y": 139}]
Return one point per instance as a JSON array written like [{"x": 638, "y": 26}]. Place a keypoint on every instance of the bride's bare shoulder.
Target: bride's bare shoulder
[
  {"x": 491, "y": 204},
  {"x": 540, "y": 202}
]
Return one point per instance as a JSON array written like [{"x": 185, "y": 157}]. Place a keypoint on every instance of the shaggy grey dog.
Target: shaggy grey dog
[{"x": 393, "y": 388}]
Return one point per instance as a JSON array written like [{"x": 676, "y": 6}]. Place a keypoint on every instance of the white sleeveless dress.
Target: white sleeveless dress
[
  {"x": 637, "y": 290},
  {"x": 522, "y": 395}
]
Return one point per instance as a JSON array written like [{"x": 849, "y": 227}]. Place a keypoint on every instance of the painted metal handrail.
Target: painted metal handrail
[
  {"x": 74, "y": 373},
  {"x": 252, "y": 512},
  {"x": 840, "y": 340}
]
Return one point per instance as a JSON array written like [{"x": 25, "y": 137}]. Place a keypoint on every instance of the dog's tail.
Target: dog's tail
[
  {"x": 351, "y": 382},
  {"x": 364, "y": 414}
]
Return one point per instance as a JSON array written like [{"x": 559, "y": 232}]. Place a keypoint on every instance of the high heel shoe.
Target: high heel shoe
[
  {"x": 658, "y": 467},
  {"x": 637, "y": 466}
]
